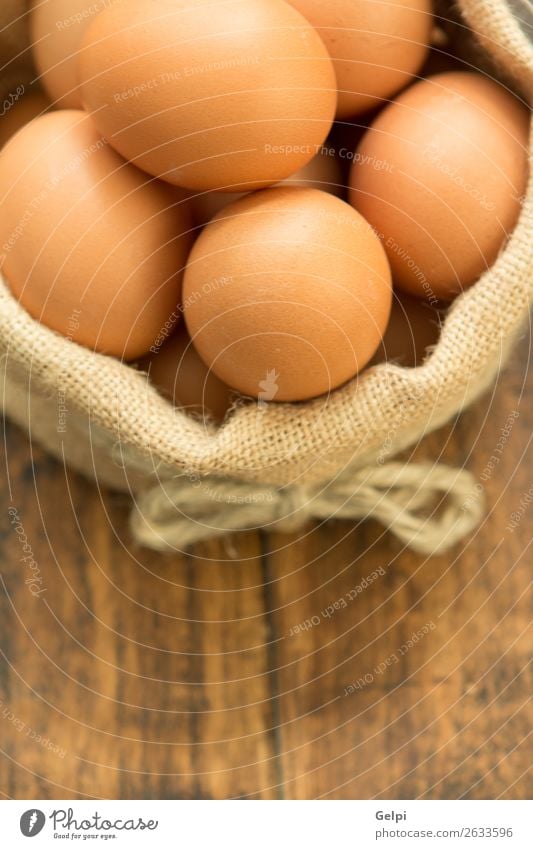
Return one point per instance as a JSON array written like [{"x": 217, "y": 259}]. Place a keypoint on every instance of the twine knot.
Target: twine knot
[{"x": 428, "y": 507}]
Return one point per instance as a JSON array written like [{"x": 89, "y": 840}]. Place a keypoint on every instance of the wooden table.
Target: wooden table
[{"x": 137, "y": 675}]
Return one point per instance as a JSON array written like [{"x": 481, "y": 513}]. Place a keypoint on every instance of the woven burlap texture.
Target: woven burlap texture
[{"x": 120, "y": 431}]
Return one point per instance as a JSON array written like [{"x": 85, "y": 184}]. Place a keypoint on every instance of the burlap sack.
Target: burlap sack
[{"x": 279, "y": 464}]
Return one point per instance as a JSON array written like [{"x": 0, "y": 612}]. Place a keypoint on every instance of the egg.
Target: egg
[
  {"x": 440, "y": 175},
  {"x": 413, "y": 330},
  {"x": 91, "y": 247},
  {"x": 376, "y": 46},
  {"x": 212, "y": 95},
  {"x": 21, "y": 112},
  {"x": 323, "y": 172},
  {"x": 56, "y": 30},
  {"x": 287, "y": 293},
  {"x": 182, "y": 376}
]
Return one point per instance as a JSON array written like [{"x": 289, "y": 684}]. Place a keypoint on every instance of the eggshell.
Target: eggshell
[
  {"x": 179, "y": 373},
  {"x": 56, "y": 29},
  {"x": 376, "y": 46},
  {"x": 440, "y": 175},
  {"x": 22, "y": 111},
  {"x": 413, "y": 329},
  {"x": 323, "y": 172},
  {"x": 287, "y": 293},
  {"x": 91, "y": 247},
  {"x": 215, "y": 94}
]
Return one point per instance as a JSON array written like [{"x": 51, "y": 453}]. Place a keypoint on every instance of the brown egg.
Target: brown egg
[
  {"x": 323, "y": 172},
  {"x": 56, "y": 29},
  {"x": 287, "y": 293},
  {"x": 413, "y": 329},
  {"x": 216, "y": 94},
  {"x": 90, "y": 246},
  {"x": 439, "y": 175},
  {"x": 376, "y": 46},
  {"x": 180, "y": 374},
  {"x": 21, "y": 112}
]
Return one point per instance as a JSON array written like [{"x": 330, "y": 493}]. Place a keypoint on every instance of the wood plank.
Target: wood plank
[{"x": 134, "y": 665}]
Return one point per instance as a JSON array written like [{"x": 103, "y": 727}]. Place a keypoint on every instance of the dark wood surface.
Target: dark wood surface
[{"x": 183, "y": 677}]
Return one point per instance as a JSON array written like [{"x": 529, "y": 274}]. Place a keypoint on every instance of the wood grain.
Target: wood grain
[{"x": 197, "y": 676}]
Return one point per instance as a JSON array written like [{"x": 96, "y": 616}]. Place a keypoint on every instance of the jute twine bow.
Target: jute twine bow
[{"x": 428, "y": 507}]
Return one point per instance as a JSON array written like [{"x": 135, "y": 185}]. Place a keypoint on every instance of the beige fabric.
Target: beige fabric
[
  {"x": 121, "y": 431},
  {"x": 499, "y": 32}
]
